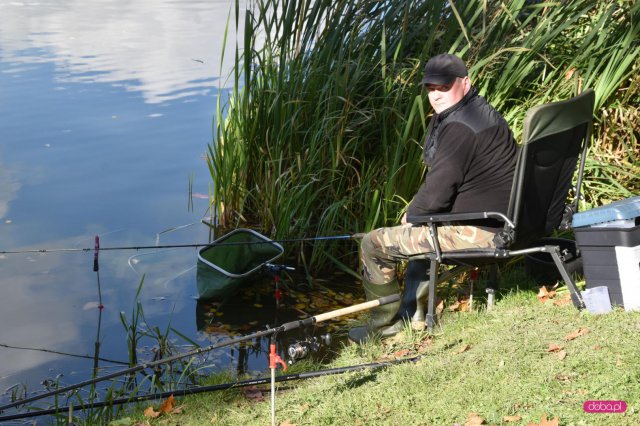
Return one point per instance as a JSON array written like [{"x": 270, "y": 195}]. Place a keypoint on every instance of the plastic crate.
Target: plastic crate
[{"x": 609, "y": 239}]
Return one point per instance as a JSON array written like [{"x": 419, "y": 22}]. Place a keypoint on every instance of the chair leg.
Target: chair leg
[
  {"x": 576, "y": 296},
  {"x": 430, "y": 320},
  {"x": 492, "y": 285}
]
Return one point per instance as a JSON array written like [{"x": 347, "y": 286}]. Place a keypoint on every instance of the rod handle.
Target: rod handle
[{"x": 357, "y": 308}]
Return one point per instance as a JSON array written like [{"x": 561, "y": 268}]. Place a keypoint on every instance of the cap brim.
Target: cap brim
[{"x": 438, "y": 79}]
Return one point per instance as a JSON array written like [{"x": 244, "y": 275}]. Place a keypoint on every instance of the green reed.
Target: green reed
[
  {"x": 159, "y": 379},
  {"x": 321, "y": 133}
]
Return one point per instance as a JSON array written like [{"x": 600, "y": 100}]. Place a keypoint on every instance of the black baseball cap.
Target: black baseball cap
[{"x": 443, "y": 69}]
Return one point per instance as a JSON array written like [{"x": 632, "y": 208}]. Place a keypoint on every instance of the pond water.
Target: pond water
[{"x": 106, "y": 110}]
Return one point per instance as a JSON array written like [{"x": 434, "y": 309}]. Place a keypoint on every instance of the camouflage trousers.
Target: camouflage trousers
[{"x": 382, "y": 248}]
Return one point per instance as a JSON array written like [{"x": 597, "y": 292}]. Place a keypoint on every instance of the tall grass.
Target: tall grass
[{"x": 322, "y": 131}]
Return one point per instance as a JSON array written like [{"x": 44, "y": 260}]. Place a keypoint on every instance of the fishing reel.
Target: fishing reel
[{"x": 303, "y": 348}]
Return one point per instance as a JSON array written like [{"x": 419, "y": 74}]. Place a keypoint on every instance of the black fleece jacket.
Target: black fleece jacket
[{"x": 471, "y": 155}]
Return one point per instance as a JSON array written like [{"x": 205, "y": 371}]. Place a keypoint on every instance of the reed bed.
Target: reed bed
[{"x": 321, "y": 132}]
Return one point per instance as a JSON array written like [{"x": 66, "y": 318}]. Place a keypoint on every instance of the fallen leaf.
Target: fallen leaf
[
  {"x": 554, "y": 348},
  {"x": 597, "y": 347},
  {"x": 422, "y": 346},
  {"x": 561, "y": 355},
  {"x": 401, "y": 353},
  {"x": 575, "y": 334},
  {"x": 166, "y": 406},
  {"x": 459, "y": 306},
  {"x": 253, "y": 393},
  {"x": 563, "y": 300},
  {"x": 474, "y": 419},
  {"x": 463, "y": 348},
  {"x": 439, "y": 307},
  {"x": 508, "y": 419},
  {"x": 179, "y": 409},
  {"x": 544, "y": 294},
  {"x": 569, "y": 73},
  {"x": 150, "y": 412}
]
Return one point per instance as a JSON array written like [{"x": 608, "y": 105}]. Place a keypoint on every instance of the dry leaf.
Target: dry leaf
[
  {"x": 597, "y": 347},
  {"x": 554, "y": 348},
  {"x": 544, "y": 294},
  {"x": 166, "y": 406},
  {"x": 579, "y": 332},
  {"x": 454, "y": 306},
  {"x": 253, "y": 393},
  {"x": 463, "y": 348},
  {"x": 569, "y": 73},
  {"x": 177, "y": 410},
  {"x": 474, "y": 419},
  {"x": 508, "y": 419},
  {"x": 150, "y": 412},
  {"x": 561, "y": 355},
  {"x": 439, "y": 307},
  {"x": 422, "y": 346},
  {"x": 401, "y": 353},
  {"x": 563, "y": 300}
]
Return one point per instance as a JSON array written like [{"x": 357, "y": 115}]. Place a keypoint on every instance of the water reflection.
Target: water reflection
[
  {"x": 105, "y": 111},
  {"x": 153, "y": 46}
]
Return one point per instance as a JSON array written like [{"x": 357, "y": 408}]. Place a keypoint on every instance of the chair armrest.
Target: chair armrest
[{"x": 458, "y": 217}]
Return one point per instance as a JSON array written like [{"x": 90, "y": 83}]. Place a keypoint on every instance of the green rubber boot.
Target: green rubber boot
[
  {"x": 381, "y": 316},
  {"x": 416, "y": 285}
]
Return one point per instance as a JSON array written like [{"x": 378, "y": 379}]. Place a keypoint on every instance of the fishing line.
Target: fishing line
[
  {"x": 196, "y": 245},
  {"x": 62, "y": 353},
  {"x": 212, "y": 388},
  {"x": 134, "y": 260}
]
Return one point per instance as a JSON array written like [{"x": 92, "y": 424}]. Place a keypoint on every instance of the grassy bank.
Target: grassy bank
[{"x": 521, "y": 361}]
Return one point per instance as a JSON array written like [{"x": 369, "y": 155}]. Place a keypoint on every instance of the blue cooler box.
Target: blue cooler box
[{"x": 609, "y": 240}]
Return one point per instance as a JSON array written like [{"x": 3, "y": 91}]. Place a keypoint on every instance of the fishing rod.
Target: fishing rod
[
  {"x": 212, "y": 388},
  {"x": 356, "y": 236},
  {"x": 274, "y": 330}
]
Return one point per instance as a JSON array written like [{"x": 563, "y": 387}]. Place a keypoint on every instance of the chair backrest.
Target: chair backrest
[{"x": 554, "y": 136}]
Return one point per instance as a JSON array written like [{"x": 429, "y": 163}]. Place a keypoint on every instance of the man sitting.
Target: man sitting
[{"x": 470, "y": 153}]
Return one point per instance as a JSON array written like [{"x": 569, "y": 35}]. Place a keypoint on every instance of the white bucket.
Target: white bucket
[{"x": 596, "y": 299}]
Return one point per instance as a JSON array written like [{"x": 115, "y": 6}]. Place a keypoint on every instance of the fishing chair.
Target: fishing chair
[{"x": 554, "y": 136}]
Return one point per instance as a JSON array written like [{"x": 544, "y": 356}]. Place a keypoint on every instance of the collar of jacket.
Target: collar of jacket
[
  {"x": 431, "y": 140},
  {"x": 465, "y": 100}
]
